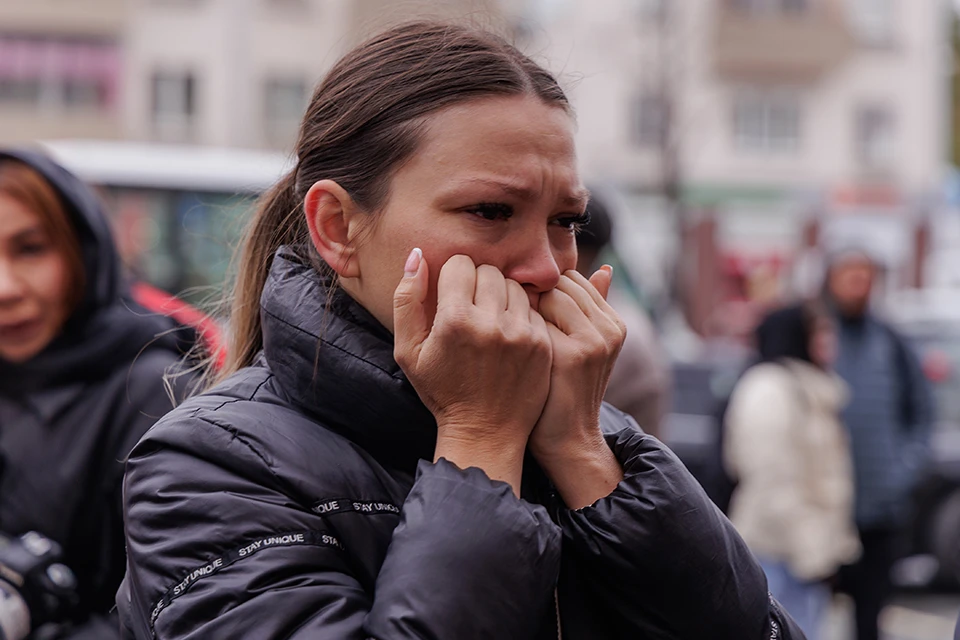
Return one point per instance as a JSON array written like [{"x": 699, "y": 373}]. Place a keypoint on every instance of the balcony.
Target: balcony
[
  {"x": 760, "y": 41},
  {"x": 20, "y": 125},
  {"x": 73, "y": 17}
]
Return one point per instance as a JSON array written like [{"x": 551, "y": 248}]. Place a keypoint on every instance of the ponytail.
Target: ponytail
[{"x": 278, "y": 221}]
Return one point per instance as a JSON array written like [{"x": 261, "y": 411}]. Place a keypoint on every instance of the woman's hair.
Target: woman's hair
[
  {"x": 26, "y": 186},
  {"x": 366, "y": 118},
  {"x": 787, "y": 332}
]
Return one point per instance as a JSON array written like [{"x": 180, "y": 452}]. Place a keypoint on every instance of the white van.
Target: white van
[{"x": 178, "y": 211}]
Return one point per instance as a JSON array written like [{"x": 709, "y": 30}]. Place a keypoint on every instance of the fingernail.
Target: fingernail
[
  {"x": 609, "y": 268},
  {"x": 413, "y": 263}
]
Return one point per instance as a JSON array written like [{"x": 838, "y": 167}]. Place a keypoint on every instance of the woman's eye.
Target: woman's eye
[
  {"x": 573, "y": 223},
  {"x": 491, "y": 210},
  {"x": 33, "y": 249}
]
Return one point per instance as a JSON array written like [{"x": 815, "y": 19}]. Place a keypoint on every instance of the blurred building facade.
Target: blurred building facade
[
  {"x": 756, "y": 116},
  {"x": 234, "y": 73},
  {"x": 242, "y": 71},
  {"x": 728, "y": 128},
  {"x": 784, "y": 94},
  {"x": 61, "y": 68}
]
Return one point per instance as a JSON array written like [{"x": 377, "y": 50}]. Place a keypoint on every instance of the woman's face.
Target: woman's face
[
  {"x": 494, "y": 179},
  {"x": 33, "y": 283},
  {"x": 823, "y": 344}
]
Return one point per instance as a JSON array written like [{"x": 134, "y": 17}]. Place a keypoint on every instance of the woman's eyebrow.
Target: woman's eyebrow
[
  {"x": 28, "y": 233},
  {"x": 578, "y": 198}
]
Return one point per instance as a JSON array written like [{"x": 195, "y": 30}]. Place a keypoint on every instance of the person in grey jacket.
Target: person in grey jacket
[
  {"x": 889, "y": 419},
  {"x": 409, "y": 439}
]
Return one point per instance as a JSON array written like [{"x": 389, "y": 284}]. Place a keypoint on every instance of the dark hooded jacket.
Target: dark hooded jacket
[
  {"x": 70, "y": 415},
  {"x": 297, "y": 499}
]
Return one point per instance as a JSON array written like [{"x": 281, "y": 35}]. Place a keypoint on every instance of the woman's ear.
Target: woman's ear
[{"x": 330, "y": 211}]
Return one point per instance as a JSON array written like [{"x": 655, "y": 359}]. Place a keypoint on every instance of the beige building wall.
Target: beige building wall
[
  {"x": 233, "y": 73},
  {"x": 239, "y": 51},
  {"x": 61, "y": 28},
  {"x": 906, "y": 77}
]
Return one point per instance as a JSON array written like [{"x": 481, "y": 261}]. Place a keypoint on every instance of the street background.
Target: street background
[{"x": 737, "y": 142}]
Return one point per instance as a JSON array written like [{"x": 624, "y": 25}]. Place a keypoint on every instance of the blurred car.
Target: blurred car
[
  {"x": 930, "y": 320},
  {"x": 935, "y": 530},
  {"x": 177, "y": 211},
  {"x": 693, "y": 429}
]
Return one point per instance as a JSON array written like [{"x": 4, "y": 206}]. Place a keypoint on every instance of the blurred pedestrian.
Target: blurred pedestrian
[
  {"x": 640, "y": 382},
  {"x": 409, "y": 433},
  {"x": 81, "y": 379},
  {"x": 785, "y": 445},
  {"x": 889, "y": 418}
]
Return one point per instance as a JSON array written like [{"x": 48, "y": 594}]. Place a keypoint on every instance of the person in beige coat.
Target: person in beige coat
[{"x": 788, "y": 450}]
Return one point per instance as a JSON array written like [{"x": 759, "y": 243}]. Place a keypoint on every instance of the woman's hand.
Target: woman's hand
[
  {"x": 586, "y": 335},
  {"x": 482, "y": 369}
]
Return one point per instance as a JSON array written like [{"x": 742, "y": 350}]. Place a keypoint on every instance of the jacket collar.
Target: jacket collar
[
  {"x": 825, "y": 388},
  {"x": 334, "y": 362}
]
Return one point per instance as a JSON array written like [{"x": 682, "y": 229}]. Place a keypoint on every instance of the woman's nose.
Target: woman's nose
[
  {"x": 11, "y": 286},
  {"x": 537, "y": 269}
]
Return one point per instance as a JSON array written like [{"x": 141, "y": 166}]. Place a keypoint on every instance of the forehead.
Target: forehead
[
  {"x": 16, "y": 218},
  {"x": 854, "y": 263},
  {"x": 517, "y": 138}
]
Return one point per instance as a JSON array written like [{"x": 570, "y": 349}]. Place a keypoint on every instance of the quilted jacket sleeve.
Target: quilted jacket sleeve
[
  {"x": 218, "y": 550},
  {"x": 664, "y": 561}
]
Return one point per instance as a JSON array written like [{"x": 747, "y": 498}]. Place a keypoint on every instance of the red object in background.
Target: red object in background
[
  {"x": 867, "y": 195},
  {"x": 936, "y": 366},
  {"x": 739, "y": 264},
  {"x": 207, "y": 329}
]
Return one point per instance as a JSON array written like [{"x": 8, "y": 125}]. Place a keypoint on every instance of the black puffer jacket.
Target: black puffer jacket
[
  {"x": 297, "y": 500},
  {"x": 70, "y": 415}
]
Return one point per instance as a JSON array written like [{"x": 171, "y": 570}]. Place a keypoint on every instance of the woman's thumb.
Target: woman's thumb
[
  {"x": 409, "y": 317},
  {"x": 602, "y": 279}
]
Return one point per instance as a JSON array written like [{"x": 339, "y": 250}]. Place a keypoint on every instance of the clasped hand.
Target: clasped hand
[{"x": 500, "y": 376}]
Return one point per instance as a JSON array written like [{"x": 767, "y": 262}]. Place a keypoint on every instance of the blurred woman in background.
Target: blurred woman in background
[
  {"x": 81, "y": 379},
  {"x": 787, "y": 448}
]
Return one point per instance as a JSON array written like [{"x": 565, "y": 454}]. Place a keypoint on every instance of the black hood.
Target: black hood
[
  {"x": 784, "y": 334},
  {"x": 107, "y": 329}
]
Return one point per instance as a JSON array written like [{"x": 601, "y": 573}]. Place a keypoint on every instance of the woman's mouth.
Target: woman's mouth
[{"x": 20, "y": 331}]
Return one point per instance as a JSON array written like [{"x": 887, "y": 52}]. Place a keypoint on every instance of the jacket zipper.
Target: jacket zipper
[
  {"x": 553, "y": 508},
  {"x": 556, "y": 604}
]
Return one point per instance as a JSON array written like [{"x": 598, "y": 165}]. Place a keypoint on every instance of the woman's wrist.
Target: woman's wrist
[
  {"x": 500, "y": 459},
  {"x": 583, "y": 471}
]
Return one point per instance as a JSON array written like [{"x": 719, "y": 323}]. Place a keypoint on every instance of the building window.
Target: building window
[
  {"x": 770, "y": 6},
  {"x": 546, "y": 11},
  {"x": 59, "y": 75},
  {"x": 173, "y": 106},
  {"x": 654, "y": 11},
  {"x": 648, "y": 120},
  {"x": 874, "y": 21},
  {"x": 874, "y": 131},
  {"x": 284, "y": 102},
  {"x": 766, "y": 121},
  {"x": 286, "y": 7}
]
